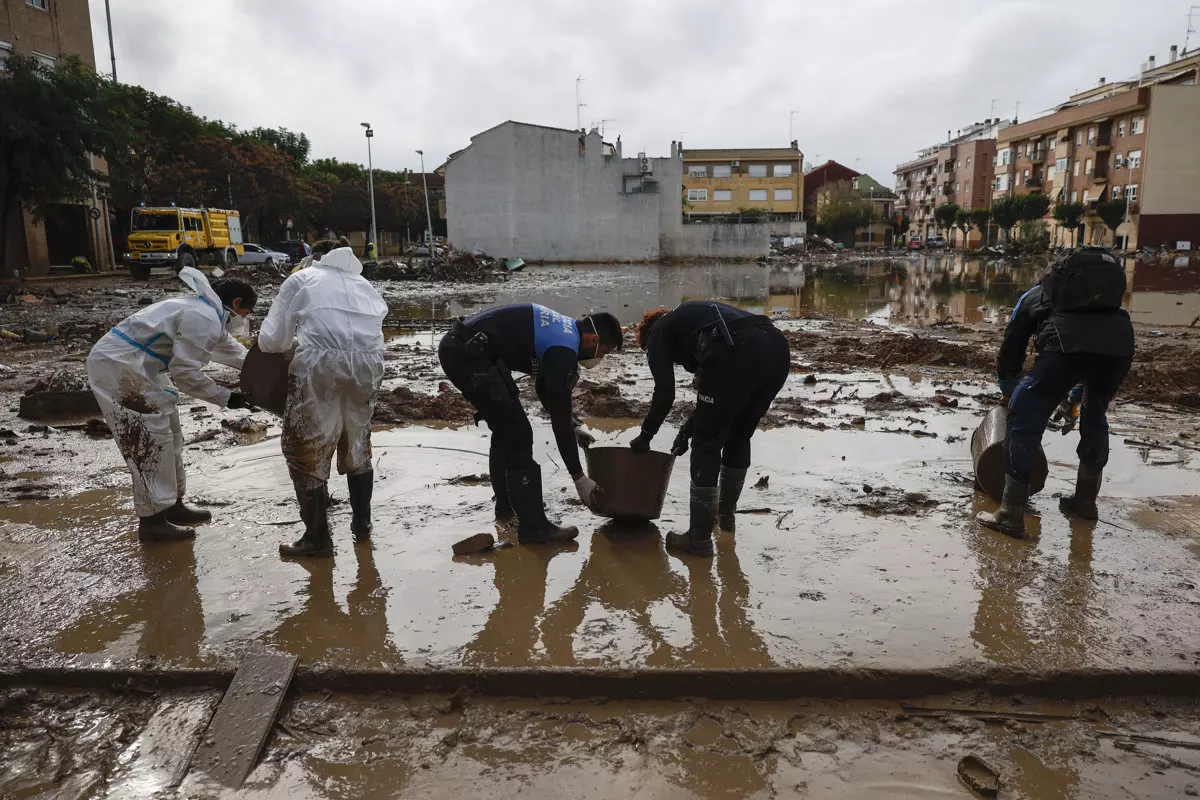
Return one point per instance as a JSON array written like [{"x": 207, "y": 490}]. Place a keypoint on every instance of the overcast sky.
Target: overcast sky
[{"x": 868, "y": 79}]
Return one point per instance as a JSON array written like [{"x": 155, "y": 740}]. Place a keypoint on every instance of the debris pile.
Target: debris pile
[
  {"x": 444, "y": 266},
  {"x": 402, "y": 405},
  {"x": 606, "y": 400},
  {"x": 887, "y": 350}
]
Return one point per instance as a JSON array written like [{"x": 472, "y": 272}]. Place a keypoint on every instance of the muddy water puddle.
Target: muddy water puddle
[
  {"x": 919, "y": 288},
  {"x": 820, "y": 572}
]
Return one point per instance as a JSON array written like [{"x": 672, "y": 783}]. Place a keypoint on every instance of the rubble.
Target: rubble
[
  {"x": 444, "y": 266},
  {"x": 402, "y": 405},
  {"x": 606, "y": 400}
]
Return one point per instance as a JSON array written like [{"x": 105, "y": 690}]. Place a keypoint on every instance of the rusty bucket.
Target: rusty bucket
[
  {"x": 987, "y": 453},
  {"x": 264, "y": 378},
  {"x": 634, "y": 484}
]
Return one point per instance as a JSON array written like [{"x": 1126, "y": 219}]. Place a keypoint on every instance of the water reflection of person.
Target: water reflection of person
[
  {"x": 722, "y": 634},
  {"x": 359, "y": 635},
  {"x": 168, "y": 606},
  {"x": 510, "y": 634}
]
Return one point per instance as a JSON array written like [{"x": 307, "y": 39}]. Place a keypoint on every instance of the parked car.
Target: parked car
[
  {"x": 937, "y": 241},
  {"x": 257, "y": 254},
  {"x": 295, "y": 249},
  {"x": 914, "y": 244}
]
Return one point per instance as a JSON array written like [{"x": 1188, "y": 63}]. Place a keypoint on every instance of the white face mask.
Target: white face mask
[{"x": 237, "y": 325}]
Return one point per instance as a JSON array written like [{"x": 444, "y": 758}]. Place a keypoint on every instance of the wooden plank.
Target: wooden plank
[
  {"x": 159, "y": 757},
  {"x": 230, "y": 746}
]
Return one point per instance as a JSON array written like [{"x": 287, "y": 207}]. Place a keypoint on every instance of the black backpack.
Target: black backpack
[{"x": 1089, "y": 279}]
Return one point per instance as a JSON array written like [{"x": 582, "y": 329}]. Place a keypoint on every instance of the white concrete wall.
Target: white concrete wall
[
  {"x": 529, "y": 191},
  {"x": 717, "y": 241},
  {"x": 1171, "y": 163}
]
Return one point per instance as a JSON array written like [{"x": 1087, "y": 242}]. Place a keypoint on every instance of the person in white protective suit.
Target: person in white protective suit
[
  {"x": 137, "y": 371},
  {"x": 334, "y": 317}
]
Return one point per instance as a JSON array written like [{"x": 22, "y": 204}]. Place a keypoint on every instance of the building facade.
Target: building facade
[
  {"x": 560, "y": 195},
  {"x": 818, "y": 178},
  {"x": 1134, "y": 139},
  {"x": 957, "y": 171},
  {"x": 728, "y": 182},
  {"x": 48, "y": 30}
]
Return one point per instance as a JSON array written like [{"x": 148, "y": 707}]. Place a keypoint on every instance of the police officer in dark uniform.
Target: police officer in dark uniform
[
  {"x": 478, "y": 356},
  {"x": 1082, "y": 336},
  {"x": 741, "y": 361}
]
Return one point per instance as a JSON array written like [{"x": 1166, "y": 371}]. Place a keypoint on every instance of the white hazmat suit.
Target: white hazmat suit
[
  {"x": 334, "y": 316},
  {"x": 136, "y": 372}
]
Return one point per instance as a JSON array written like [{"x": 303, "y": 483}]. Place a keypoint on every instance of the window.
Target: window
[
  {"x": 47, "y": 61},
  {"x": 1061, "y": 164},
  {"x": 697, "y": 172},
  {"x": 783, "y": 194},
  {"x": 1085, "y": 197},
  {"x": 958, "y": 164},
  {"x": 758, "y": 194},
  {"x": 1002, "y": 183},
  {"x": 5, "y": 53},
  {"x": 758, "y": 171},
  {"x": 783, "y": 170},
  {"x": 1006, "y": 156},
  {"x": 1053, "y": 142},
  {"x": 1131, "y": 193},
  {"x": 722, "y": 171},
  {"x": 1138, "y": 126},
  {"x": 1078, "y": 138},
  {"x": 1075, "y": 169},
  {"x": 1121, "y": 128},
  {"x": 956, "y": 188},
  {"x": 1135, "y": 159},
  {"x": 697, "y": 195},
  {"x": 722, "y": 195},
  {"x": 1092, "y": 134},
  {"x": 968, "y": 163},
  {"x": 44, "y": 5},
  {"x": 1116, "y": 192},
  {"x": 967, "y": 187},
  {"x": 1020, "y": 149},
  {"x": 1087, "y": 167},
  {"x": 252, "y": 248},
  {"x": 1118, "y": 161},
  {"x": 1074, "y": 197},
  {"x": 1026, "y": 176}
]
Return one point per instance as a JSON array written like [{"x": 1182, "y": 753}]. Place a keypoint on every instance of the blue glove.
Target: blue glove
[
  {"x": 1076, "y": 394},
  {"x": 1008, "y": 385}
]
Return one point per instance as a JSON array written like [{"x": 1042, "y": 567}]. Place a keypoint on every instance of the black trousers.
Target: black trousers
[
  {"x": 732, "y": 396},
  {"x": 489, "y": 387},
  {"x": 1052, "y": 376}
]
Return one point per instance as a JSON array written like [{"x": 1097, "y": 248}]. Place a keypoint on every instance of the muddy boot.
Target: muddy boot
[
  {"x": 316, "y": 540},
  {"x": 158, "y": 528},
  {"x": 504, "y": 511},
  {"x": 732, "y": 481},
  {"x": 1082, "y": 504},
  {"x": 360, "y": 488},
  {"x": 698, "y": 539},
  {"x": 525, "y": 494},
  {"x": 1009, "y": 519},
  {"x": 180, "y": 514}
]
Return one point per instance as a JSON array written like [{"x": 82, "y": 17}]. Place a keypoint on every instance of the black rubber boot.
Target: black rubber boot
[
  {"x": 1009, "y": 519},
  {"x": 316, "y": 540},
  {"x": 182, "y": 515},
  {"x": 1082, "y": 504},
  {"x": 525, "y": 494},
  {"x": 158, "y": 528},
  {"x": 360, "y": 487},
  {"x": 504, "y": 511},
  {"x": 732, "y": 481},
  {"x": 698, "y": 539}
]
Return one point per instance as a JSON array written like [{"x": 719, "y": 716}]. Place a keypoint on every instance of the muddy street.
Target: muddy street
[{"x": 857, "y": 570}]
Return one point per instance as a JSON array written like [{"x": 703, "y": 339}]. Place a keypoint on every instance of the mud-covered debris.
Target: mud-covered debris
[
  {"x": 606, "y": 400},
  {"x": 882, "y": 501},
  {"x": 59, "y": 405},
  {"x": 449, "y": 266},
  {"x": 247, "y": 425},
  {"x": 470, "y": 480},
  {"x": 404, "y": 405},
  {"x": 98, "y": 429},
  {"x": 763, "y": 482},
  {"x": 978, "y": 776},
  {"x": 474, "y": 544},
  {"x": 61, "y": 380},
  {"x": 943, "y": 401},
  {"x": 810, "y": 379}
]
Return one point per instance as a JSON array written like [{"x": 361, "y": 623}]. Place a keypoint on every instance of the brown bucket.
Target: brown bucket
[
  {"x": 264, "y": 378},
  {"x": 634, "y": 484},
  {"x": 987, "y": 453}
]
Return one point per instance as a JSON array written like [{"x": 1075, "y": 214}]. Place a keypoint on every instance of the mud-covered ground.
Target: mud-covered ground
[{"x": 855, "y": 549}]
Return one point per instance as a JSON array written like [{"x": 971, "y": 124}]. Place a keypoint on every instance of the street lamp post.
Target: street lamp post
[
  {"x": 371, "y": 183},
  {"x": 428, "y": 216}
]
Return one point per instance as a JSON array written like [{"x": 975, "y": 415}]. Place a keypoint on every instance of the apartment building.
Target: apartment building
[
  {"x": 957, "y": 171},
  {"x": 818, "y": 178},
  {"x": 48, "y": 30},
  {"x": 724, "y": 182},
  {"x": 1134, "y": 138}
]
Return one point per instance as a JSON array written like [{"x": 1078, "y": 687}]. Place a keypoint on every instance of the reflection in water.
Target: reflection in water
[{"x": 919, "y": 288}]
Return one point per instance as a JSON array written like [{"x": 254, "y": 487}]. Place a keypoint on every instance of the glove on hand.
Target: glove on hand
[
  {"x": 588, "y": 490},
  {"x": 583, "y": 438},
  {"x": 1068, "y": 414},
  {"x": 641, "y": 443},
  {"x": 1008, "y": 385},
  {"x": 680, "y": 445}
]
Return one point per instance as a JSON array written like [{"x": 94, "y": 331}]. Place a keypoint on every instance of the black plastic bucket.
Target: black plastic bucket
[
  {"x": 987, "y": 453},
  {"x": 634, "y": 484},
  {"x": 264, "y": 378}
]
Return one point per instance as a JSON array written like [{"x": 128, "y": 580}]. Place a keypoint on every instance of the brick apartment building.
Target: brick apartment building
[
  {"x": 818, "y": 178},
  {"x": 720, "y": 182},
  {"x": 48, "y": 30},
  {"x": 1134, "y": 138},
  {"x": 957, "y": 171}
]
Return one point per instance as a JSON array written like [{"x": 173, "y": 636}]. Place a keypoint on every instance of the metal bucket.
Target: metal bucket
[
  {"x": 264, "y": 378},
  {"x": 634, "y": 484},
  {"x": 987, "y": 453}
]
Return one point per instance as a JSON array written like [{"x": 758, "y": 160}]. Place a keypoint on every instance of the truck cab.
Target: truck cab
[{"x": 182, "y": 237}]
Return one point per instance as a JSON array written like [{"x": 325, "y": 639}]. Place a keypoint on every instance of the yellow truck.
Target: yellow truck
[{"x": 182, "y": 237}]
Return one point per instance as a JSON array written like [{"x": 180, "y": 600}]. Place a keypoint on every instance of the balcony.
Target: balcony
[
  {"x": 1037, "y": 156},
  {"x": 1034, "y": 183},
  {"x": 1099, "y": 175},
  {"x": 947, "y": 189}
]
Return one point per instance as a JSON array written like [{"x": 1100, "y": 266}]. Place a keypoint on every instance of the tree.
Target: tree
[
  {"x": 52, "y": 121},
  {"x": 980, "y": 217},
  {"x": 1112, "y": 214},
  {"x": 900, "y": 224},
  {"x": 1032, "y": 207},
  {"x": 944, "y": 215},
  {"x": 841, "y": 211},
  {"x": 1070, "y": 217},
  {"x": 1006, "y": 214},
  {"x": 294, "y": 145},
  {"x": 962, "y": 221}
]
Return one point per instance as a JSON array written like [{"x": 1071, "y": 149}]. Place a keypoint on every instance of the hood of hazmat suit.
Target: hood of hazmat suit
[
  {"x": 137, "y": 370},
  {"x": 334, "y": 318}
]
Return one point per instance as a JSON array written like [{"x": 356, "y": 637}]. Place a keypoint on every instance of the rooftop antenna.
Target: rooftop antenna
[
  {"x": 1190, "y": 27},
  {"x": 579, "y": 104},
  {"x": 1017, "y": 113},
  {"x": 791, "y": 119},
  {"x": 992, "y": 113},
  {"x": 604, "y": 124}
]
